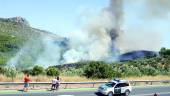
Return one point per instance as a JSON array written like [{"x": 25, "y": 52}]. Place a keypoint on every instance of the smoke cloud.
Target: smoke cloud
[
  {"x": 142, "y": 25},
  {"x": 157, "y": 8},
  {"x": 51, "y": 53},
  {"x": 101, "y": 38},
  {"x": 96, "y": 41},
  {"x": 27, "y": 55}
]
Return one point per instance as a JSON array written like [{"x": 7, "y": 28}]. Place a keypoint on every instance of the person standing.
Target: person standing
[
  {"x": 27, "y": 80},
  {"x": 57, "y": 83},
  {"x": 54, "y": 82}
]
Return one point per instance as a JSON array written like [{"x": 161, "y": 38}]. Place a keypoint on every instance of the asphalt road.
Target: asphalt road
[{"x": 137, "y": 91}]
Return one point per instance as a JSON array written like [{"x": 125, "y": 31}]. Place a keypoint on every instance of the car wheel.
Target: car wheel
[
  {"x": 127, "y": 92},
  {"x": 110, "y": 94}
]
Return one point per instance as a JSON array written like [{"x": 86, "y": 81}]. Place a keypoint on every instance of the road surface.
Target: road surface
[{"x": 137, "y": 91}]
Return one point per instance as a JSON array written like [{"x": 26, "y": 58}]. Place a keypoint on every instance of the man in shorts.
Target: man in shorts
[{"x": 27, "y": 80}]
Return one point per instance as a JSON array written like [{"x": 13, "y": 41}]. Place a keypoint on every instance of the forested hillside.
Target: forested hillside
[
  {"x": 147, "y": 66},
  {"x": 16, "y": 33}
]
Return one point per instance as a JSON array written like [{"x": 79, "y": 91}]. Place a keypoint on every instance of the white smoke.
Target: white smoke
[
  {"x": 135, "y": 39},
  {"x": 159, "y": 9},
  {"x": 143, "y": 19},
  {"x": 91, "y": 42},
  {"x": 99, "y": 39},
  {"x": 27, "y": 55},
  {"x": 50, "y": 55}
]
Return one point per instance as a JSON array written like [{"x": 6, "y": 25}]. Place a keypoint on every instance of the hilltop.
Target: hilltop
[{"x": 16, "y": 33}]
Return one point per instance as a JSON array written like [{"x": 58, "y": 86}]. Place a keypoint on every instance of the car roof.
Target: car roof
[{"x": 119, "y": 81}]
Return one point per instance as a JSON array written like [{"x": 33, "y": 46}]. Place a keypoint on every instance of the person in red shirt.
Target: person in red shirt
[{"x": 27, "y": 80}]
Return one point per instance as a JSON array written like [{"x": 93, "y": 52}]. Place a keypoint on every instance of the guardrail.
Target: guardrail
[
  {"x": 149, "y": 81},
  {"x": 81, "y": 83}
]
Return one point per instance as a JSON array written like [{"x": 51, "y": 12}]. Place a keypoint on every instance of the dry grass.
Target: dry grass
[
  {"x": 41, "y": 78},
  {"x": 159, "y": 77},
  {"x": 19, "y": 78},
  {"x": 78, "y": 79}
]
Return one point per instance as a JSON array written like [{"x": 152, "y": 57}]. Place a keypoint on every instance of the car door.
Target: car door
[
  {"x": 117, "y": 89},
  {"x": 124, "y": 87}
]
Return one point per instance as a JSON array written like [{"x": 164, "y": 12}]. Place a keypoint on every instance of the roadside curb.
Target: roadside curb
[{"x": 45, "y": 91}]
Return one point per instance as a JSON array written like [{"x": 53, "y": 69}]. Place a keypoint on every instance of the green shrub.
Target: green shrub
[
  {"x": 3, "y": 60},
  {"x": 98, "y": 70},
  {"x": 151, "y": 71},
  {"x": 27, "y": 71},
  {"x": 37, "y": 70},
  {"x": 73, "y": 72},
  {"x": 164, "y": 51},
  {"x": 2, "y": 70},
  {"x": 132, "y": 71},
  {"x": 11, "y": 72},
  {"x": 52, "y": 71}
]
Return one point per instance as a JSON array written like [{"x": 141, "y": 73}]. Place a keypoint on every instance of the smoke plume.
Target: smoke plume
[
  {"x": 95, "y": 41},
  {"x": 142, "y": 21},
  {"x": 101, "y": 38},
  {"x": 157, "y": 8},
  {"x": 27, "y": 55}
]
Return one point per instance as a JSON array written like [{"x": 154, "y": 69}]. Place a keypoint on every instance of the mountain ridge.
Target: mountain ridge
[{"x": 17, "y": 34}]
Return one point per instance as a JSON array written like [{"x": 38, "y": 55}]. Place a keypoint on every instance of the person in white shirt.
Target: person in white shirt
[{"x": 54, "y": 82}]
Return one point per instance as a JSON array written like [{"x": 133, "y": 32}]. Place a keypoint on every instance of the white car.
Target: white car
[{"x": 115, "y": 87}]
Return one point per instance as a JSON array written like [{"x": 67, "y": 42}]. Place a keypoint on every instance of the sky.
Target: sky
[
  {"x": 52, "y": 15},
  {"x": 64, "y": 16}
]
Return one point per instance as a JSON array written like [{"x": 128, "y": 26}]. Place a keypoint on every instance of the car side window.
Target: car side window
[
  {"x": 121, "y": 85},
  {"x": 124, "y": 84},
  {"x": 118, "y": 85},
  {"x": 113, "y": 84}
]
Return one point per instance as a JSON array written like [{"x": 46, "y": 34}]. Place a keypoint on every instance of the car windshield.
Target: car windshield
[{"x": 110, "y": 84}]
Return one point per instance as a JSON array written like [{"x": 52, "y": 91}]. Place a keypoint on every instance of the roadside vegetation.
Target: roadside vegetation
[{"x": 148, "y": 68}]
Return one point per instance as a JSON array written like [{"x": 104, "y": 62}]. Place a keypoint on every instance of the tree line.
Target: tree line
[{"x": 148, "y": 66}]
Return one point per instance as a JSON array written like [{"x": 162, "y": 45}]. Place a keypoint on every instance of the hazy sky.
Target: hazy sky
[{"x": 63, "y": 16}]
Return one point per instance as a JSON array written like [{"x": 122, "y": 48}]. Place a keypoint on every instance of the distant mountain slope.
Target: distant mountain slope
[
  {"x": 16, "y": 33},
  {"x": 20, "y": 27}
]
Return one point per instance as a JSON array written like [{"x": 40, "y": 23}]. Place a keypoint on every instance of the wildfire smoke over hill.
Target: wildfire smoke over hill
[{"x": 102, "y": 38}]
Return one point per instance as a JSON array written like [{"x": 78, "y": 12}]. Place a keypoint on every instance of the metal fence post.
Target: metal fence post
[
  {"x": 33, "y": 86},
  {"x": 66, "y": 86},
  {"x": 93, "y": 85}
]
